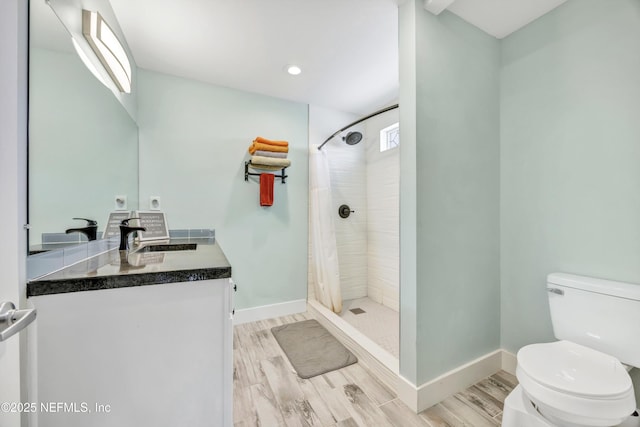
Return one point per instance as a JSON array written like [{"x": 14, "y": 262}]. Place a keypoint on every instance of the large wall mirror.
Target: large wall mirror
[{"x": 83, "y": 142}]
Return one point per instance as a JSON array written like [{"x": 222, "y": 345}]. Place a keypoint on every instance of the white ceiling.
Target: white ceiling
[
  {"x": 347, "y": 49},
  {"x": 502, "y": 17}
]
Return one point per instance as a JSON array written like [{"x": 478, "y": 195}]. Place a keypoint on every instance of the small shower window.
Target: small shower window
[{"x": 390, "y": 137}]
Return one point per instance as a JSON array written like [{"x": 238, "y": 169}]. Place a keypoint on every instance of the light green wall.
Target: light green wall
[
  {"x": 549, "y": 116},
  {"x": 83, "y": 146},
  {"x": 457, "y": 301},
  {"x": 570, "y": 156},
  {"x": 193, "y": 144}
]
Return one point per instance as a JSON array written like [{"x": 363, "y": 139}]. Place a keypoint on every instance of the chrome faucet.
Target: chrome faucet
[
  {"x": 91, "y": 230},
  {"x": 125, "y": 230}
]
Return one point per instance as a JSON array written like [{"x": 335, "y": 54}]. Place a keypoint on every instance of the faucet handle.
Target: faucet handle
[
  {"x": 90, "y": 222},
  {"x": 126, "y": 221}
]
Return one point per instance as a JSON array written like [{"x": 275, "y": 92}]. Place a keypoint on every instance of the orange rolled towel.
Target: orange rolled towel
[
  {"x": 270, "y": 142},
  {"x": 266, "y": 147}
]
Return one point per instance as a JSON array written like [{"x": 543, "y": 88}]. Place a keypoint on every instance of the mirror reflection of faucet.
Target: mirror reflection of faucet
[
  {"x": 91, "y": 230},
  {"x": 126, "y": 266},
  {"x": 125, "y": 230},
  {"x": 125, "y": 261}
]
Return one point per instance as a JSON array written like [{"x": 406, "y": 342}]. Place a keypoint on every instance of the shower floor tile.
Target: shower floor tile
[{"x": 378, "y": 322}]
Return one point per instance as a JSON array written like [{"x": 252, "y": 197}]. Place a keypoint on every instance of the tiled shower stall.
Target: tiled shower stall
[{"x": 366, "y": 179}]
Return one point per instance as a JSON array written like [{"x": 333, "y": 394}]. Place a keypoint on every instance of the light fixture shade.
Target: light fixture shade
[
  {"x": 87, "y": 62},
  {"x": 108, "y": 49}
]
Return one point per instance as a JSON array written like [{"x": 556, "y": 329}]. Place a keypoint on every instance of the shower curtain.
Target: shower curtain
[{"x": 322, "y": 233}]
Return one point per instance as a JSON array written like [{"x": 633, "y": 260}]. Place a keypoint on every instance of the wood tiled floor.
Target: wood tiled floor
[{"x": 268, "y": 393}]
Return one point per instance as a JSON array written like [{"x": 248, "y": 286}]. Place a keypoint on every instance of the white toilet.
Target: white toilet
[{"x": 580, "y": 380}]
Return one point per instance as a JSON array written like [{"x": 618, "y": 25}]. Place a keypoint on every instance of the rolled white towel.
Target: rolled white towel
[{"x": 270, "y": 161}]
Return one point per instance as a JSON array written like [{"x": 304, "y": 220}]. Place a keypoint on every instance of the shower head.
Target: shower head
[{"x": 352, "y": 138}]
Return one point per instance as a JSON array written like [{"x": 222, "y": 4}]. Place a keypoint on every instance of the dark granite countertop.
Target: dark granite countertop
[{"x": 139, "y": 266}]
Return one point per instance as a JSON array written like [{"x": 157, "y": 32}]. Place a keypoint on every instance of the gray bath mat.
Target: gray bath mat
[{"x": 311, "y": 349}]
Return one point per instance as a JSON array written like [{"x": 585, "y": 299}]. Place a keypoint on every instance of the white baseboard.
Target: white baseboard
[
  {"x": 438, "y": 389},
  {"x": 263, "y": 312},
  {"x": 509, "y": 362}
]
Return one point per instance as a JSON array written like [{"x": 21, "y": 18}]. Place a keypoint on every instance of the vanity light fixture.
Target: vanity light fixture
[
  {"x": 87, "y": 62},
  {"x": 294, "y": 70},
  {"x": 108, "y": 49}
]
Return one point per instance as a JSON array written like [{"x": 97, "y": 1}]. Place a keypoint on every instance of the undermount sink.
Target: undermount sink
[{"x": 169, "y": 247}]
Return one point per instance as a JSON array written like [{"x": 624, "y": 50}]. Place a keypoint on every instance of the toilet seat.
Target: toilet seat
[{"x": 573, "y": 384}]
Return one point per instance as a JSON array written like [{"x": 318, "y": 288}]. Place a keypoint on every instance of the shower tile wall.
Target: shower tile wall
[
  {"x": 383, "y": 214},
  {"x": 348, "y": 186}
]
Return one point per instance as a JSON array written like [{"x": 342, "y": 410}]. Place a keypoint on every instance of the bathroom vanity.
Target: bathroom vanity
[{"x": 137, "y": 338}]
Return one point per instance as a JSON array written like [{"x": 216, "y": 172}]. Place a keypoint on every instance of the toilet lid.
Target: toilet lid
[{"x": 572, "y": 368}]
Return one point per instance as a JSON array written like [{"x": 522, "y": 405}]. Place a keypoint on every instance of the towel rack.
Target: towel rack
[{"x": 282, "y": 175}]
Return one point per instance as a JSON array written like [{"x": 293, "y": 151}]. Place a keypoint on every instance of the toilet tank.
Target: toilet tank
[{"x": 599, "y": 314}]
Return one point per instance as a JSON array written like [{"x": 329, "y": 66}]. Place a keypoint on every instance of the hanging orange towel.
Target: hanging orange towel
[{"x": 266, "y": 189}]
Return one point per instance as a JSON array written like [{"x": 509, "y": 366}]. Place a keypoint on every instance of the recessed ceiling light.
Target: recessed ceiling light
[{"x": 294, "y": 70}]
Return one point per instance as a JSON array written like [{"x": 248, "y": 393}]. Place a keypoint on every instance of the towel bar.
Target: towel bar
[{"x": 282, "y": 175}]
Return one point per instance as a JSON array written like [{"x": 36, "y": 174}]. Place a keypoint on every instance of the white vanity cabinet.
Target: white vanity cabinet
[{"x": 157, "y": 355}]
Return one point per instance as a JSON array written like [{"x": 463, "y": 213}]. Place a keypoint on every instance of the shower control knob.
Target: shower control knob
[{"x": 344, "y": 211}]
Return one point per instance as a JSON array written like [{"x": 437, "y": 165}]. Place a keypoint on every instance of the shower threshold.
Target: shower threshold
[{"x": 377, "y": 360}]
